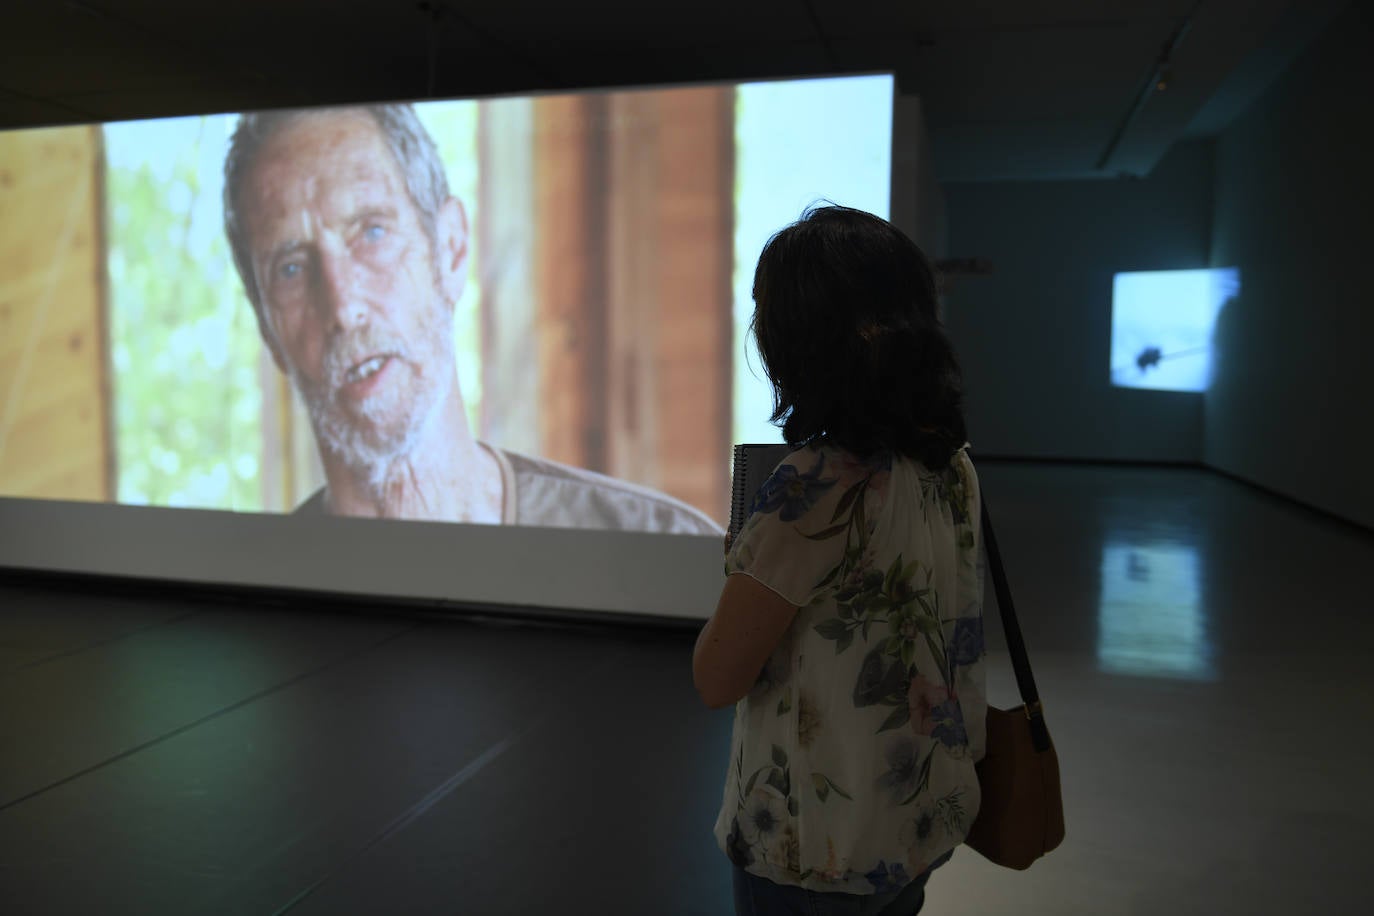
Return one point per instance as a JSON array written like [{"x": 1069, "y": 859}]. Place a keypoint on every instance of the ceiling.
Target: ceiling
[{"x": 1011, "y": 89}]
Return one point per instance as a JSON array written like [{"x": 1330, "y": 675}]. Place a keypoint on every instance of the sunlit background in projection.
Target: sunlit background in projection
[
  {"x": 798, "y": 144},
  {"x": 1162, "y": 324},
  {"x": 1150, "y": 616}
]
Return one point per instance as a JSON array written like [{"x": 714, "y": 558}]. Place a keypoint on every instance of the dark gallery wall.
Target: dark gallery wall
[
  {"x": 1034, "y": 335},
  {"x": 918, "y": 199},
  {"x": 1291, "y": 402}
]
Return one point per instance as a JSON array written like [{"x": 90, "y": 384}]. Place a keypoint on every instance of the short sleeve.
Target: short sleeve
[{"x": 783, "y": 543}]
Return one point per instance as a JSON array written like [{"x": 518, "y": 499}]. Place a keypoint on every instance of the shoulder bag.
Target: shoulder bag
[{"x": 1022, "y": 812}]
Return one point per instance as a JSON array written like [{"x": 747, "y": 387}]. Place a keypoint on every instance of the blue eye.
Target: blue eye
[
  {"x": 374, "y": 233},
  {"x": 289, "y": 270}
]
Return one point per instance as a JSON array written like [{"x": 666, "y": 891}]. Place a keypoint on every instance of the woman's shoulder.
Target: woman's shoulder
[
  {"x": 838, "y": 462},
  {"x": 812, "y": 479}
]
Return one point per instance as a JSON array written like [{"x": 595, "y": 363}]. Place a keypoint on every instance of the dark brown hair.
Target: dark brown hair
[{"x": 847, "y": 325}]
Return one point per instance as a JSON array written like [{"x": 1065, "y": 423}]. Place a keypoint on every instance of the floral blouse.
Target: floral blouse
[{"x": 851, "y": 763}]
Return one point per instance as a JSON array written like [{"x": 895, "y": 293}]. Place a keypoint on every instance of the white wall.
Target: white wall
[
  {"x": 918, "y": 200},
  {"x": 659, "y": 575}
]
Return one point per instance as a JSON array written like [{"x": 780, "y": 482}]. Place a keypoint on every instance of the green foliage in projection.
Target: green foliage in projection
[{"x": 184, "y": 342}]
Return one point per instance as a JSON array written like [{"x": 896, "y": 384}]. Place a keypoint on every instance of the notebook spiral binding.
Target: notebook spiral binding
[
  {"x": 739, "y": 489},
  {"x": 754, "y": 462}
]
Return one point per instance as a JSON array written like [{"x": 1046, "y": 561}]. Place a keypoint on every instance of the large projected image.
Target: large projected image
[
  {"x": 524, "y": 311},
  {"x": 1162, "y": 322}
]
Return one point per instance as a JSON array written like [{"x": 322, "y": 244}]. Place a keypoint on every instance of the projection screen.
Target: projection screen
[{"x": 483, "y": 352}]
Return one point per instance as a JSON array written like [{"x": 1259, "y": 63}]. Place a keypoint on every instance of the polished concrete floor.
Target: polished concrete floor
[{"x": 1202, "y": 650}]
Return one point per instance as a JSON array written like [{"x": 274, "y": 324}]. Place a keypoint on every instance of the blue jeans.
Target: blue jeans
[{"x": 755, "y": 896}]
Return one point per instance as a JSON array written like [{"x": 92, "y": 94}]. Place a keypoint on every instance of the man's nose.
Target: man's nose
[{"x": 340, "y": 293}]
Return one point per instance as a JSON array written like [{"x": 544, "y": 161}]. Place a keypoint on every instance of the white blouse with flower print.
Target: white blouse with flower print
[{"x": 852, "y": 761}]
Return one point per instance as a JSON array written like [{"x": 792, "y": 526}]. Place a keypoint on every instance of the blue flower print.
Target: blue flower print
[
  {"x": 967, "y": 645},
  {"x": 949, "y": 727},
  {"x": 792, "y": 492},
  {"x": 903, "y": 774},
  {"x": 888, "y": 877}
]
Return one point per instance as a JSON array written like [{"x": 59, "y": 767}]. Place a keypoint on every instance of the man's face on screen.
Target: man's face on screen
[{"x": 357, "y": 298}]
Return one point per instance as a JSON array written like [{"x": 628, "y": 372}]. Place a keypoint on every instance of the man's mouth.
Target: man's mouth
[
  {"x": 364, "y": 376},
  {"x": 364, "y": 370}
]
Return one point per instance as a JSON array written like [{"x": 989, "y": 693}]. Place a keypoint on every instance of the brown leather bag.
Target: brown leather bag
[{"x": 1022, "y": 812}]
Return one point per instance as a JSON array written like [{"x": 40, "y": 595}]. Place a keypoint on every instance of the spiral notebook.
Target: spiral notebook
[{"x": 753, "y": 464}]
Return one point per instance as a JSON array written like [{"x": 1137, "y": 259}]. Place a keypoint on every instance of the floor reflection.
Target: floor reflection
[{"x": 1150, "y": 616}]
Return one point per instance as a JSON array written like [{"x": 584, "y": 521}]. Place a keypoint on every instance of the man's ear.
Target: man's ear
[{"x": 451, "y": 250}]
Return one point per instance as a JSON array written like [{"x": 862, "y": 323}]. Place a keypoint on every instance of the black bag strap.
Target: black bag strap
[{"x": 1016, "y": 644}]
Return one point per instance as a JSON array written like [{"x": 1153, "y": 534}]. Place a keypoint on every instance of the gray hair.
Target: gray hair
[{"x": 405, "y": 136}]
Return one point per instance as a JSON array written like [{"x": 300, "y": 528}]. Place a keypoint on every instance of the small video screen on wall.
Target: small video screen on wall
[
  {"x": 521, "y": 311},
  {"x": 1162, "y": 325}
]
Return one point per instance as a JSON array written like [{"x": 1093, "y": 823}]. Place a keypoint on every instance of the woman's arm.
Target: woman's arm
[{"x": 748, "y": 624}]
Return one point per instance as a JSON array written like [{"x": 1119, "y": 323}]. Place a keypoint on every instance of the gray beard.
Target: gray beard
[
  {"x": 371, "y": 442},
  {"x": 367, "y": 452}
]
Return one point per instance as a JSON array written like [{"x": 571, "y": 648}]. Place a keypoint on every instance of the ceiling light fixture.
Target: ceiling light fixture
[{"x": 1157, "y": 81}]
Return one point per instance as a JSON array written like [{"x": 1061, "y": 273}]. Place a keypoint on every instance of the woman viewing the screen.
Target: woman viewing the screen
[{"x": 849, "y": 634}]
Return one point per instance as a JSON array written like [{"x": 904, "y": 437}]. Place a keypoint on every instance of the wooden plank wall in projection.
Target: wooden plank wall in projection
[
  {"x": 570, "y": 276},
  {"x": 684, "y": 246},
  {"x": 54, "y": 406},
  {"x": 634, "y": 209}
]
